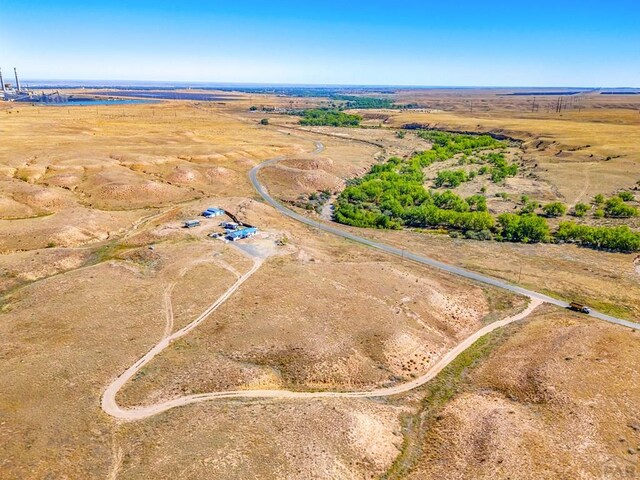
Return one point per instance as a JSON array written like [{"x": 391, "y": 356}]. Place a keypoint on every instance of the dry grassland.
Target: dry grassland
[
  {"x": 557, "y": 399},
  {"x": 95, "y": 270}
]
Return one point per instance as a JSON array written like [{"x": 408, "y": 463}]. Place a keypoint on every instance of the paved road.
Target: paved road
[{"x": 253, "y": 175}]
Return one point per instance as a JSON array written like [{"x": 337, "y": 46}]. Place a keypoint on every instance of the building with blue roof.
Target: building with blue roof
[
  {"x": 240, "y": 234},
  {"x": 212, "y": 212}
]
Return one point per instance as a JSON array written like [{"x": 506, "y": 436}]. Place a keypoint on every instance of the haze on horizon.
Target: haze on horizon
[{"x": 494, "y": 43}]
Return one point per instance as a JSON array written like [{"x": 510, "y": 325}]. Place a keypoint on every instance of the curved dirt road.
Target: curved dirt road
[{"x": 110, "y": 406}]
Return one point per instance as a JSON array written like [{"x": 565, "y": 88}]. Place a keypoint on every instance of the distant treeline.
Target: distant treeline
[
  {"x": 329, "y": 117},
  {"x": 352, "y": 101}
]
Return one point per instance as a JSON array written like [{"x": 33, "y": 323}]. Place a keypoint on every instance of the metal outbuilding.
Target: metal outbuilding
[
  {"x": 240, "y": 234},
  {"x": 212, "y": 212}
]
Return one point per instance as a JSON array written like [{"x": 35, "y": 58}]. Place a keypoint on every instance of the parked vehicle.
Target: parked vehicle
[{"x": 579, "y": 307}]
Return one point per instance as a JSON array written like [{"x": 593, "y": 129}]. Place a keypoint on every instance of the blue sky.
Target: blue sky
[{"x": 463, "y": 43}]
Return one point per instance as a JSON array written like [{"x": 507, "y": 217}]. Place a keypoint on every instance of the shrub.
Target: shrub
[
  {"x": 580, "y": 209},
  {"x": 616, "y": 208},
  {"x": 478, "y": 235},
  {"x": 599, "y": 213},
  {"x": 264, "y": 121},
  {"x": 626, "y": 196},
  {"x": 599, "y": 199},
  {"x": 554, "y": 209},
  {"x": 477, "y": 202},
  {"x": 400, "y": 134},
  {"x": 529, "y": 207}
]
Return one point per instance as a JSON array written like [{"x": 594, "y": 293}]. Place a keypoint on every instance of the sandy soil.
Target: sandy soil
[{"x": 544, "y": 405}]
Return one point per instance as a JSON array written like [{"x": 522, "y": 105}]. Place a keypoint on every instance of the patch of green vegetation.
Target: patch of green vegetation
[
  {"x": 110, "y": 251},
  {"x": 616, "y": 208},
  {"x": 529, "y": 207},
  {"x": 554, "y": 209},
  {"x": 438, "y": 392},
  {"x": 501, "y": 168},
  {"x": 620, "y": 239},
  {"x": 352, "y": 101},
  {"x": 528, "y": 228},
  {"x": 626, "y": 196},
  {"x": 477, "y": 203},
  {"x": 451, "y": 178},
  {"x": 329, "y": 117},
  {"x": 314, "y": 201},
  {"x": 392, "y": 196},
  {"x": 581, "y": 209}
]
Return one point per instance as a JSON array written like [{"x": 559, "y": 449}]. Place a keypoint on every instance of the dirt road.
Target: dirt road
[{"x": 110, "y": 406}]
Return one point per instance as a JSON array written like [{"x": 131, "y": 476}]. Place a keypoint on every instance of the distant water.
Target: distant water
[{"x": 95, "y": 101}]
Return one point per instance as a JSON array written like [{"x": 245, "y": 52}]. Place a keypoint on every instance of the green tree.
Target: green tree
[
  {"x": 329, "y": 117},
  {"x": 529, "y": 206},
  {"x": 626, "y": 196},
  {"x": 616, "y": 208},
  {"x": 450, "y": 178},
  {"x": 620, "y": 239},
  {"x": 523, "y": 228},
  {"x": 554, "y": 209},
  {"x": 477, "y": 203},
  {"x": 580, "y": 209},
  {"x": 599, "y": 199}
]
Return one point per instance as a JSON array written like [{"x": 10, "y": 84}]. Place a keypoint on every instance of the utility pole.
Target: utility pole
[{"x": 520, "y": 274}]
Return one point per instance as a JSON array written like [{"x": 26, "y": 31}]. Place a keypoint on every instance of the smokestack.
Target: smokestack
[
  {"x": 17, "y": 81},
  {"x": 4, "y": 89}
]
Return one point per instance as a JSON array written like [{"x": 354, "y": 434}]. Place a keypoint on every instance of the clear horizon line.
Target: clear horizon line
[{"x": 123, "y": 82}]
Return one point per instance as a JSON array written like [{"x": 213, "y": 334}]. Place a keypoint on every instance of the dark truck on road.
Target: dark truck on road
[{"x": 578, "y": 307}]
